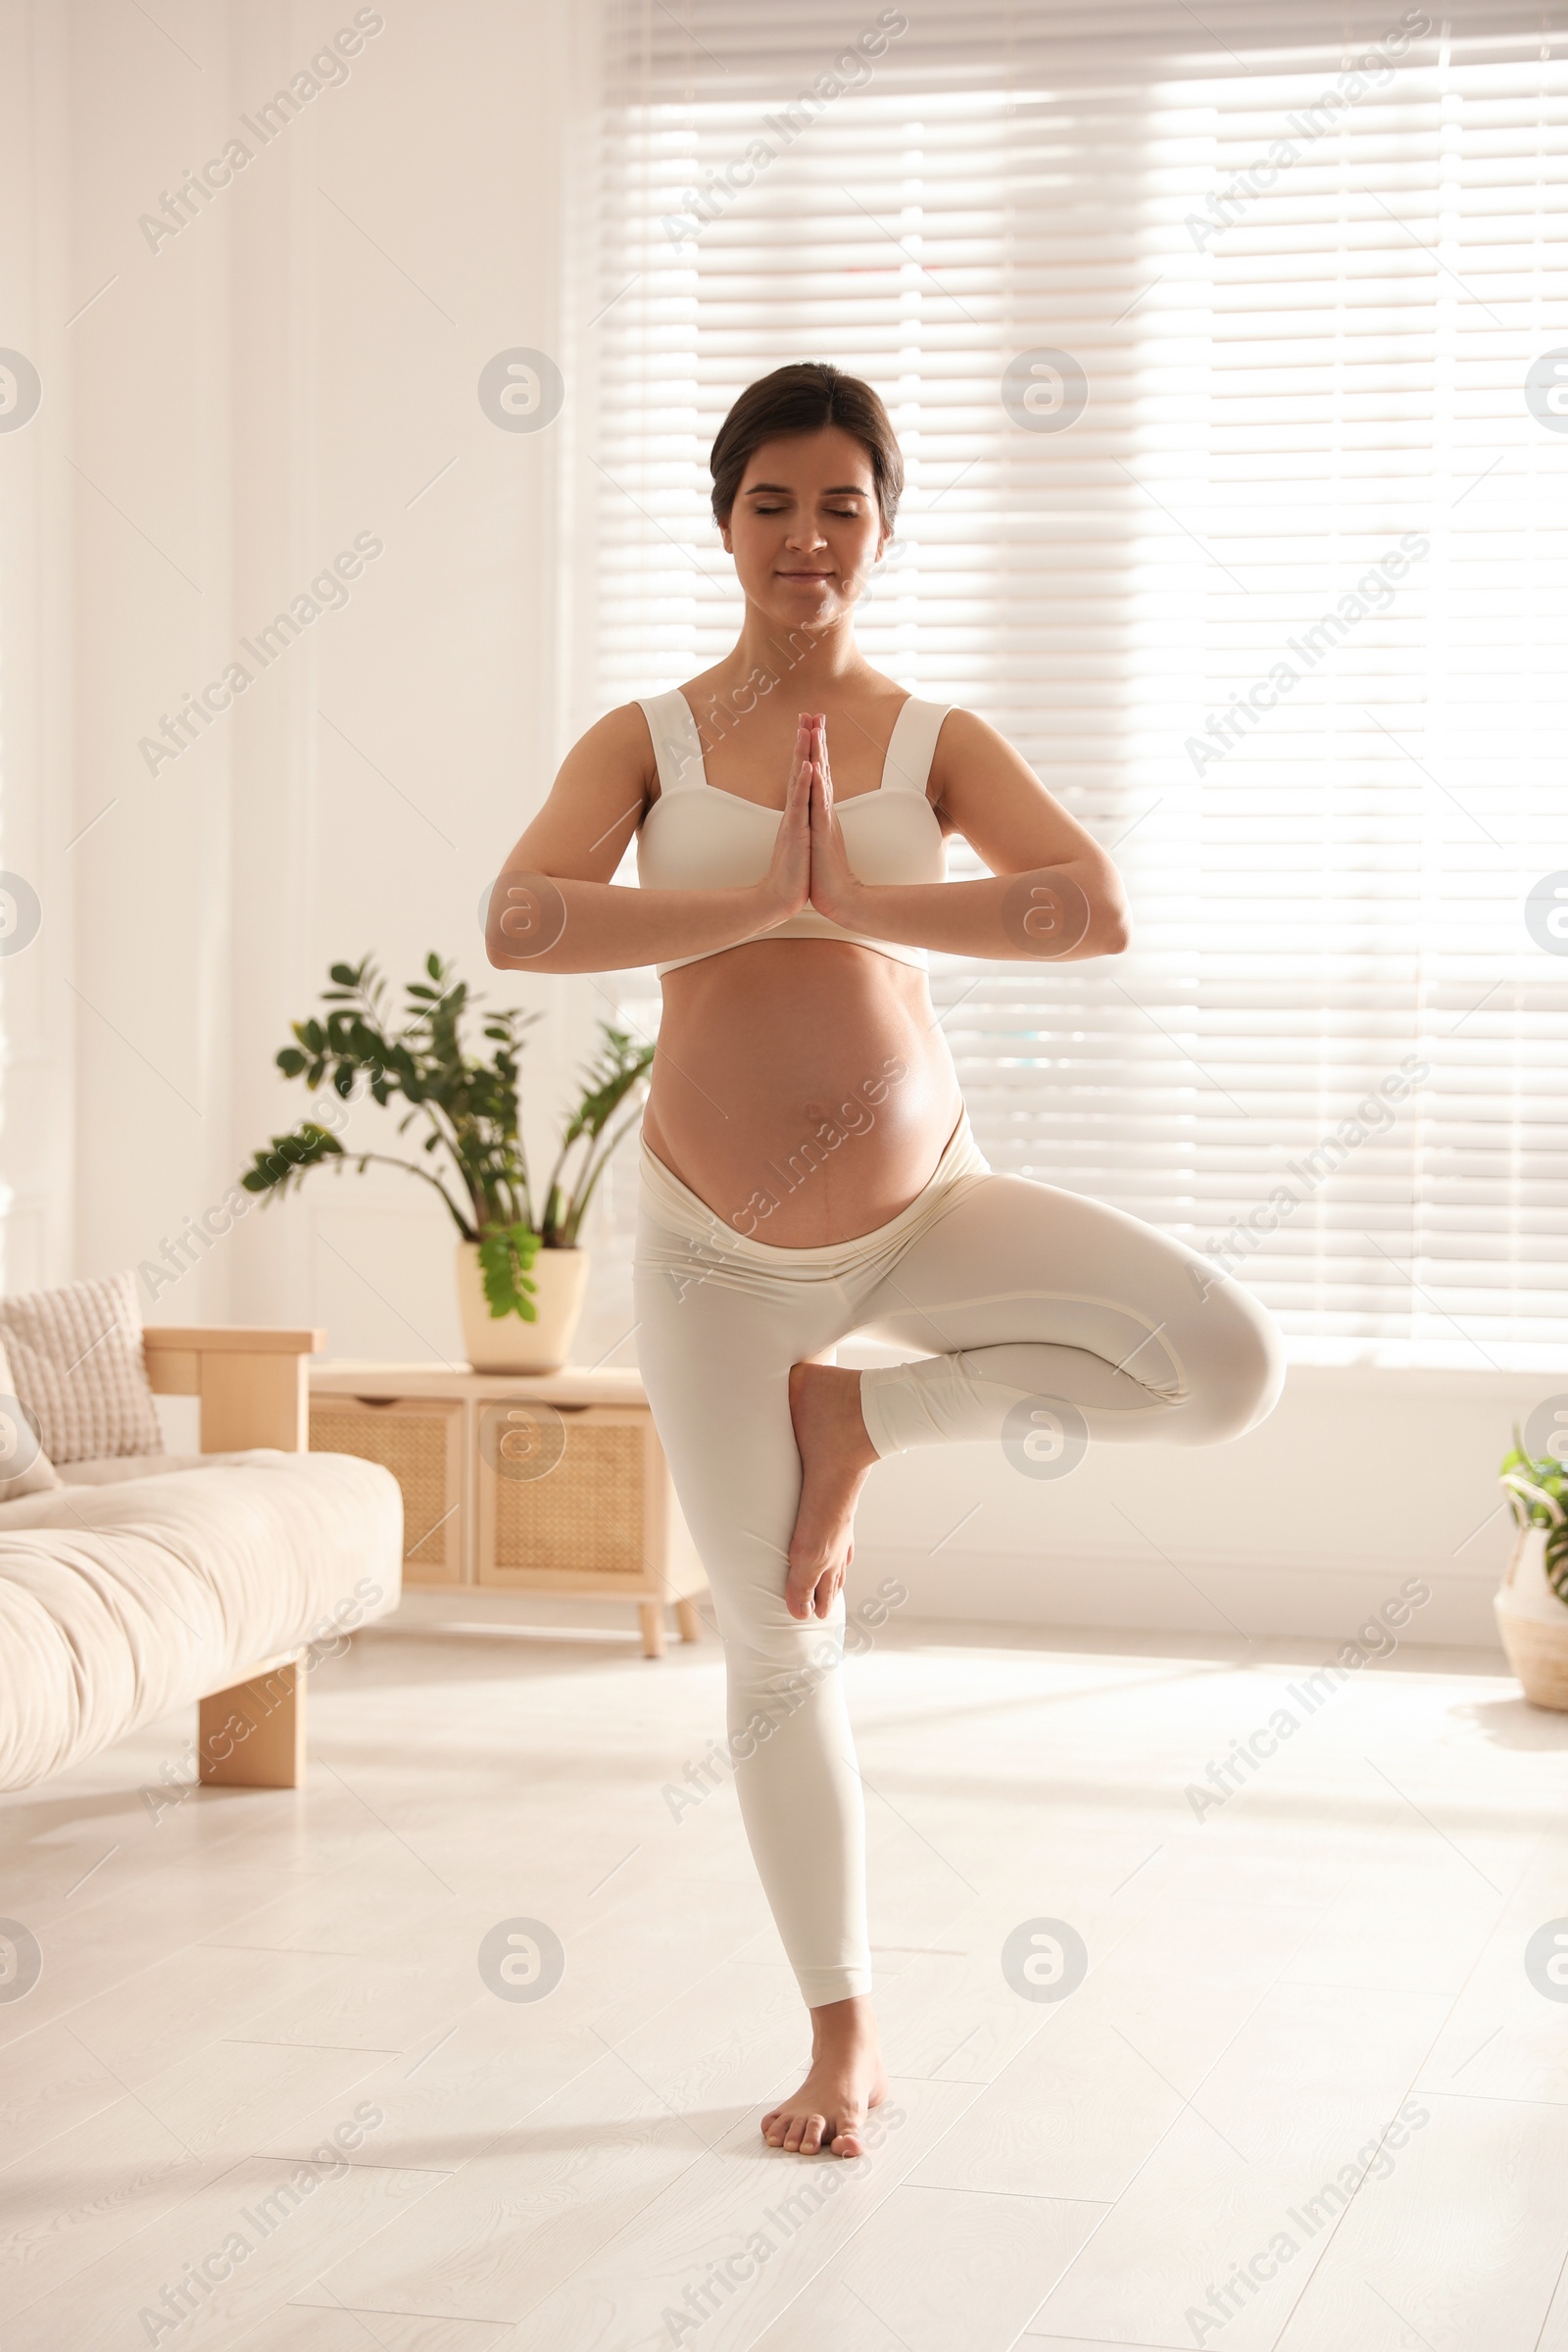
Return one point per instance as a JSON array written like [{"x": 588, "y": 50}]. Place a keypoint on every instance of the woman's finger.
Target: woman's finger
[
  {"x": 800, "y": 784},
  {"x": 804, "y": 791}
]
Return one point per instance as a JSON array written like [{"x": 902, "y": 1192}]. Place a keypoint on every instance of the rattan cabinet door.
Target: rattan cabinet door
[
  {"x": 420, "y": 1439},
  {"x": 567, "y": 1496}
]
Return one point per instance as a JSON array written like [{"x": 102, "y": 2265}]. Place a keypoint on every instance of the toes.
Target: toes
[{"x": 807, "y": 2133}]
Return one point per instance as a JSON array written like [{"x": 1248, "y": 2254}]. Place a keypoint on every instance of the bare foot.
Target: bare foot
[
  {"x": 847, "y": 2079},
  {"x": 836, "y": 1456}
]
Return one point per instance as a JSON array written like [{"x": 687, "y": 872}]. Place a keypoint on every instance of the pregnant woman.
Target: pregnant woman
[{"x": 808, "y": 1168}]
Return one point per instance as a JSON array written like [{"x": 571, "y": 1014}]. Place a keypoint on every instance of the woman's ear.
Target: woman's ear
[{"x": 725, "y": 540}]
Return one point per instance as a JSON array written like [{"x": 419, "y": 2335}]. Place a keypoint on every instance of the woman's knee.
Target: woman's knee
[
  {"x": 774, "y": 1671},
  {"x": 1237, "y": 1366}
]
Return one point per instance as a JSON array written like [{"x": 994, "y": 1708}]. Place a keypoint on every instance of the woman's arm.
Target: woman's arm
[
  {"x": 1055, "y": 894},
  {"x": 554, "y": 907}
]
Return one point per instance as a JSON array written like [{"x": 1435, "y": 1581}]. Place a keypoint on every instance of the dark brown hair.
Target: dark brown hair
[{"x": 805, "y": 398}]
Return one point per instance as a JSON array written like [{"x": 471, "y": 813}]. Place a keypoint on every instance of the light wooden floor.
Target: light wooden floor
[{"x": 1267, "y": 1988}]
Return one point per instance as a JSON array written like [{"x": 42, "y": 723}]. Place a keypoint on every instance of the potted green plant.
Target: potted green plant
[
  {"x": 1532, "y": 1604},
  {"x": 522, "y": 1271}
]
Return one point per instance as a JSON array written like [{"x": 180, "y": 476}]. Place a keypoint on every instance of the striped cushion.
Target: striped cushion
[{"x": 75, "y": 1365}]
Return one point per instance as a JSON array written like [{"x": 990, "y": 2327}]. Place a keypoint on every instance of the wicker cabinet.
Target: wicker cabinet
[
  {"x": 420, "y": 1440},
  {"x": 527, "y": 1484}
]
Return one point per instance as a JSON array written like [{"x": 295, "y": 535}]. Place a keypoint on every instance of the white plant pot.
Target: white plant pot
[
  {"x": 506, "y": 1343},
  {"x": 1534, "y": 1623}
]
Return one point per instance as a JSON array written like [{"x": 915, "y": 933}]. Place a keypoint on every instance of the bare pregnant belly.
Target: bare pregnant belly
[{"x": 801, "y": 1088}]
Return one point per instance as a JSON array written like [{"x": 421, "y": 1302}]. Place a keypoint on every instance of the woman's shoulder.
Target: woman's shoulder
[
  {"x": 617, "y": 746},
  {"x": 957, "y": 731},
  {"x": 639, "y": 740},
  {"x": 967, "y": 746},
  {"x": 621, "y": 729}
]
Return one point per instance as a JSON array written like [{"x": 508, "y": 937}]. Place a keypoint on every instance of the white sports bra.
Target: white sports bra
[{"x": 699, "y": 837}]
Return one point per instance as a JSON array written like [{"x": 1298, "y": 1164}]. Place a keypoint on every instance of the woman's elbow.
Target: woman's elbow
[
  {"x": 525, "y": 923},
  {"x": 1112, "y": 921},
  {"x": 1112, "y": 929},
  {"x": 502, "y": 953},
  {"x": 504, "y": 956}
]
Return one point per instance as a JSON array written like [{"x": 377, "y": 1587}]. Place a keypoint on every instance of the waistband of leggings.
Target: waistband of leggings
[{"x": 679, "y": 1211}]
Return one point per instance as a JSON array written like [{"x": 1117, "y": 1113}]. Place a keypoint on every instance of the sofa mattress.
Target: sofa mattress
[{"x": 121, "y": 1601}]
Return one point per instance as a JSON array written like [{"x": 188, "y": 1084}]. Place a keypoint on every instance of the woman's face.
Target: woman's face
[{"x": 805, "y": 530}]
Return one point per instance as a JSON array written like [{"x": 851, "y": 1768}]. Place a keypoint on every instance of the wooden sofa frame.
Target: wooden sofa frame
[{"x": 254, "y": 1391}]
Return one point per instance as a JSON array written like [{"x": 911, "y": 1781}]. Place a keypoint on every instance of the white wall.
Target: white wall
[
  {"x": 1358, "y": 1480},
  {"x": 298, "y": 366},
  {"x": 37, "y": 1015}
]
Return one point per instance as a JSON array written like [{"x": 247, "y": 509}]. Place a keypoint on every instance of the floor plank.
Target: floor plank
[
  {"x": 1274, "y": 1968},
  {"x": 936, "y": 2268},
  {"x": 1461, "y": 2242}
]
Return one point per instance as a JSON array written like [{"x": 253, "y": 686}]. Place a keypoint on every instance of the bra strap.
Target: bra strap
[
  {"x": 912, "y": 746},
  {"x": 677, "y": 745}
]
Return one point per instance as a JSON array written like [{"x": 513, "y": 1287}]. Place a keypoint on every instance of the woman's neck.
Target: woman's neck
[{"x": 816, "y": 662}]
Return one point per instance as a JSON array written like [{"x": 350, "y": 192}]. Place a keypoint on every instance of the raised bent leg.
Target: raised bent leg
[{"x": 1024, "y": 1292}]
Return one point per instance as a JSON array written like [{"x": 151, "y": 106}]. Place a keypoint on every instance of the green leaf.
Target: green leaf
[
  {"x": 506, "y": 1252},
  {"x": 410, "y": 1052},
  {"x": 289, "y": 1157},
  {"x": 1537, "y": 1497}
]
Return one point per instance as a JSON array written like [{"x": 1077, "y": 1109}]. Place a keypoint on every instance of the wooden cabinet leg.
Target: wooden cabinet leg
[
  {"x": 686, "y": 1617},
  {"x": 252, "y": 1736},
  {"x": 652, "y": 1613}
]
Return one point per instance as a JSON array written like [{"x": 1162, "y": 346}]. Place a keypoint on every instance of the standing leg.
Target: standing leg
[{"x": 716, "y": 1362}]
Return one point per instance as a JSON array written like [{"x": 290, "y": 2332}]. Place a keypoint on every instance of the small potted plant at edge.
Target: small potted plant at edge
[
  {"x": 522, "y": 1270},
  {"x": 1532, "y": 1605}
]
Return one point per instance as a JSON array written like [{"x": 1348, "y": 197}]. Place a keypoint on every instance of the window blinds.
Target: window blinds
[{"x": 1259, "y": 555}]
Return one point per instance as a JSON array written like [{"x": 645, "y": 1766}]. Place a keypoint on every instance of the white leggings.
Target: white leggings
[{"x": 1051, "y": 1320}]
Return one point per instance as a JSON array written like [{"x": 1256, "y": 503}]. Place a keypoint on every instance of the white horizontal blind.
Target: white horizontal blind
[{"x": 1304, "y": 301}]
